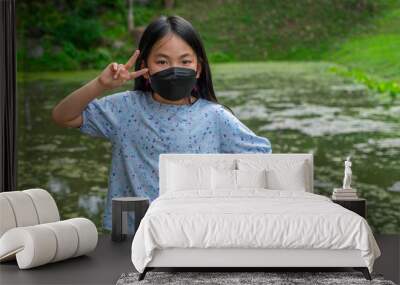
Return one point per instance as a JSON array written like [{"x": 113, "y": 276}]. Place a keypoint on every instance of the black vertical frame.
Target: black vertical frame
[{"x": 8, "y": 97}]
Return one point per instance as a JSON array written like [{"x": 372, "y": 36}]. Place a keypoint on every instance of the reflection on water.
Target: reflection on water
[
  {"x": 395, "y": 187},
  {"x": 304, "y": 108},
  {"x": 328, "y": 125},
  {"x": 299, "y": 107},
  {"x": 91, "y": 204},
  {"x": 58, "y": 186}
]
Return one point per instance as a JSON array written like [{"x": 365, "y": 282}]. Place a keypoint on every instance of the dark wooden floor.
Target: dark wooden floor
[
  {"x": 104, "y": 265},
  {"x": 110, "y": 259}
]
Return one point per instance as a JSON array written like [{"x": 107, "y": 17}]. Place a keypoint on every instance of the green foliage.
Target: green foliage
[
  {"x": 363, "y": 35},
  {"x": 144, "y": 14},
  {"x": 374, "y": 49},
  {"x": 237, "y": 30},
  {"x": 80, "y": 32},
  {"x": 72, "y": 34},
  {"x": 389, "y": 90}
]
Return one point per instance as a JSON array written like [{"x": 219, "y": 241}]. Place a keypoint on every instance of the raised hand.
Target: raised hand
[{"x": 115, "y": 75}]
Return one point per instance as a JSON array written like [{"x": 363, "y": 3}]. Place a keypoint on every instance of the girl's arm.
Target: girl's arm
[
  {"x": 68, "y": 112},
  {"x": 236, "y": 137}
]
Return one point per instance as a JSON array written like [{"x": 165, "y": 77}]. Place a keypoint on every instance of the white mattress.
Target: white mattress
[{"x": 255, "y": 218}]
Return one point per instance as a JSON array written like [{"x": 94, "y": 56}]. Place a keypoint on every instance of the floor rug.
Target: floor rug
[{"x": 242, "y": 278}]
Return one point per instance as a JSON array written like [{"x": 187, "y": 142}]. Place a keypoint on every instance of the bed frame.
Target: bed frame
[{"x": 240, "y": 258}]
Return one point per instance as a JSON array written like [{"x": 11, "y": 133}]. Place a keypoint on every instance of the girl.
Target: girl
[{"x": 171, "y": 109}]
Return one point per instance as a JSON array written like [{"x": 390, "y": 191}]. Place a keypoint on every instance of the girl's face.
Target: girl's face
[{"x": 171, "y": 51}]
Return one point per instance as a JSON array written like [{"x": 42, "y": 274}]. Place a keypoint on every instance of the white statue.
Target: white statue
[{"x": 347, "y": 174}]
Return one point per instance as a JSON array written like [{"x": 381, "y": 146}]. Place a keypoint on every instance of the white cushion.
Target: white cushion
[
  {"x": 186, "y": 175},
  {"x": 252, "y": 178},
  {"x": 66, "y": 237},
  {"x": 291, "y": 180},
  {"x": 287, "y": 175},
  {"x": 26, "y": 208},
  {"x": 228, "y": 179},
  {"x": 7, "y": 218},
  {"x": 223, "y": 179},
  {"x": 45, "y": 205},
  {"x": 30, "y": 230},
  {"x": 23, "y": 208},
  {"x": 45, "y": 243},
  {"x": 88, "y": 230},
  {"x": 31, "y": 246}
]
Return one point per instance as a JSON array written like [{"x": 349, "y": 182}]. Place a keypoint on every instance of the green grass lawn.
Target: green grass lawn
[{"x": 376, "y": 50}]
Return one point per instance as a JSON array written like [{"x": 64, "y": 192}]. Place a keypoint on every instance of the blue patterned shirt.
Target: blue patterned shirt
[{"x": 140, "y": 128}]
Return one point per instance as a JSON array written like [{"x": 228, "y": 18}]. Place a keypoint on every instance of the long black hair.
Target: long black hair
[{"x": 159, "y": 28}]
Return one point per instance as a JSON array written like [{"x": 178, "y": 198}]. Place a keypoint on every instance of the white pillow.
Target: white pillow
[
  {"x": 251, "y": 178},
  {"x": 223, "y": 179},
  {"x": 183, "y": 178},
  {"x": 293, "y": 180},
  {"x": 282, "y": 175},
  {"x": 184, "y": 174},
  {"x": 229, "y": 179}
]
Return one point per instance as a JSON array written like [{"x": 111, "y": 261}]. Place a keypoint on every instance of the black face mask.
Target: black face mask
[{"x": 174, "y": 83}]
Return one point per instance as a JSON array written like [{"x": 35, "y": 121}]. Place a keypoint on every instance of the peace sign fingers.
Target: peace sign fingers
[
  {"x": 138, "y": 73},
  {"x": 122, "y": 70},
  {"x": 132, "y": 59}
]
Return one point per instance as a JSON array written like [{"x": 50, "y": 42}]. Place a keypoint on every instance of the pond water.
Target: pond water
[{"x": 300, "y": 107}]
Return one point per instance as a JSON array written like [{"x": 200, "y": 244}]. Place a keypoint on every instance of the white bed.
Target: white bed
[{"x": 201, "y": 219}]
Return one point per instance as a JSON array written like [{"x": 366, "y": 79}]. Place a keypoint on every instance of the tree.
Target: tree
[
  {"x": 168, "y": 4},
  {"x": 131, "y": 21}
]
